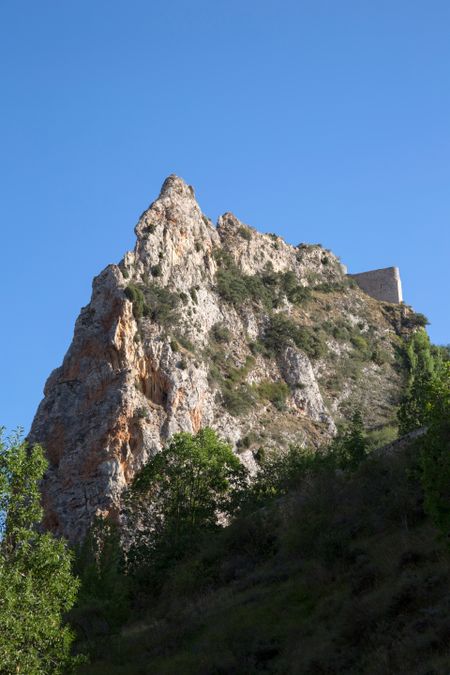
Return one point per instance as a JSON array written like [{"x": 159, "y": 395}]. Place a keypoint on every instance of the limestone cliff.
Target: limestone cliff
[{"x": 267, "y": 343}]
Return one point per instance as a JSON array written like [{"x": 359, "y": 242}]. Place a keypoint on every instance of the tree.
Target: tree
[
  {"x": 435, "y": 452},
  {"x": 36, "y": 581},
  {"x": 181, "y": 493},
  {"x": 104, "y": 597},
  {"x": 424, "y": 363},
  {"x": 350, "y": 447},
  {"x": 281, "y": 472}
]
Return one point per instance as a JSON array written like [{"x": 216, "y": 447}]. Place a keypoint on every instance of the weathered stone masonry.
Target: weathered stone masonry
[{"x": 384, "y": 284}]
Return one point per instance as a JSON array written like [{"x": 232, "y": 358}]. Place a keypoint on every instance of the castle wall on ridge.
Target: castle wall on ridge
[{"x": 384, "y": 284}]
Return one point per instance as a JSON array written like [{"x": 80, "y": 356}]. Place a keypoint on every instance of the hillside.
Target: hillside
[
  {"x": 267, "y": 343},
  {"x": 344, "y": 575}
]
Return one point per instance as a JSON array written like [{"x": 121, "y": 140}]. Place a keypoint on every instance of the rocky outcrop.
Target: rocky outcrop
[
  {"x": 297, "y": 371},
  {"x": 176, "y": 337}
]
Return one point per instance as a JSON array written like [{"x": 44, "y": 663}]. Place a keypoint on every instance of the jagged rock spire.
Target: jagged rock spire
[{"x": 187, "y": 355}]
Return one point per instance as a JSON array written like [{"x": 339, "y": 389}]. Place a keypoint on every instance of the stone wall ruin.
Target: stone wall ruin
[{"x": 384, "y": 284}]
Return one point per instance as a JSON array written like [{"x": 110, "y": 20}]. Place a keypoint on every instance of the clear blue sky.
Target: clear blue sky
[{"x": 322, "y": 121}]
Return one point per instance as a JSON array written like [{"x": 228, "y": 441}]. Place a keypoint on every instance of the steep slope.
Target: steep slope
[
  {"x": 343, "y": 575},
  {"x": 267, "y": 343}
]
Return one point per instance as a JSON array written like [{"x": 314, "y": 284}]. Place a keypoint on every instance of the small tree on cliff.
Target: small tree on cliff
[{"x": 36, "y": 582}]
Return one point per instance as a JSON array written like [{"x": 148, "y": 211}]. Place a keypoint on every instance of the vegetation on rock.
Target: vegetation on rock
[{"x": 326, "y": 556}]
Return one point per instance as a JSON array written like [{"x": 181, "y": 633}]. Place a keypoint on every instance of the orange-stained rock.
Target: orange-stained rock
[{"x": 126, "y": 385}]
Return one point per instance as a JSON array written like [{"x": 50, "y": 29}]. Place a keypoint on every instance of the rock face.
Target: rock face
[{"x": 267, "y": 343}]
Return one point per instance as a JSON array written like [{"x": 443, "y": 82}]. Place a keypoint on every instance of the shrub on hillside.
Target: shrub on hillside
[
  {"x": 136, "y": 296},
  {"x": 275, "y": 392},
  {"x": 220, "y": 333},
  {"x": 281, "y": 331}
]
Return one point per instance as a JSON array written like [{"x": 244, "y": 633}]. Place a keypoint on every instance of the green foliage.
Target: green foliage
[
  {"x": 36, "y": 582},
  {"x": 181, "y": 491},
  {"x": 245, "y": 233},
  {"x": 364, "y": 343},
  {"x": 418, "y": 320},
  {"x": 360, "y": 343},
  {"x": 238, "y": 400},
  {"x": 380, "y": 356},
  {"x": 141, "y": 413},
  {"x": 161, "y": 304},
  {"x": 423, "y": 365},
  {"x": 350, "y": 447},
  {"x": 381, "y": 436},
  {"x": 435, "y": 451},
  {"x": 267, "y": 289},
  {"x": 328, "y": 287},
  {"x": 238, "y": 397},
  {"x": 104, "y": 597},
  {"x": 280, "y": 472},
  {"x": 136, "y": 296},
  {"x": 156, "y": 270},
  {"x": 275, "y": 392},
  {"x": 237, "y": 288},
  {"x": 185, "y": 342},
  {"x": 220, "y": 333},
  {"x": 426, "y": 404},
  {"x": 281, "y": 331},
  {"x": 314, "y": 574}
]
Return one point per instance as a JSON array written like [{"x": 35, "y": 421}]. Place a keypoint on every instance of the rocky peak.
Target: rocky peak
[
  {"x": 174, "y": 185},
  {"x": 266, "y": 342}
]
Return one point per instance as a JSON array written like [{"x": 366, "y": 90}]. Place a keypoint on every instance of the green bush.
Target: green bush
[
  {"x": 275, "y": 392},
  {"x": 238, "y": 374},
  {"x": 245, "y": 233},
  {"x": 378, "y": 437},
  {"x": 237, "y": 288},
  {"x": 185, "y": 343},
  {"x": 161, "y": 304},
  {"x": 141, "y": 413},
  {"x": 220, "y": 333},
  {"x": 156, "y": 270},
  {"x": 360, "y": 344},
  {"x": 258, "y": 347},
  {"x": 238, "y": 400},
  {"x": 328, "y": 287},
  {"x": 267, "y": 289},
  {"x": 417, "y": 319},
  {"x": 281, "y": 331},
  {"x": 380, "y": 356},
  {"x": 136, "y": 296}
]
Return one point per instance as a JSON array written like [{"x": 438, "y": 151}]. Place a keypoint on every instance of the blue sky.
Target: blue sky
[{"x": 322, "y": 121}]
